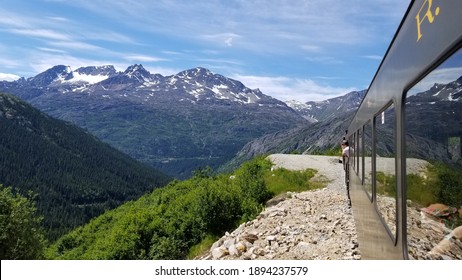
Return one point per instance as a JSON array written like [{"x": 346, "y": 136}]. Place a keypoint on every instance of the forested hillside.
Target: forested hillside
[{"x": 75, "y": 176}]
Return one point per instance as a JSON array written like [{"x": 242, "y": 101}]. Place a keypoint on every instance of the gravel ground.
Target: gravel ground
[{"x": 327, "y": 166}]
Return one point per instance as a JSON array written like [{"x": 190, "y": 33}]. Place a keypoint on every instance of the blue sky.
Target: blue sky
[{"x": 307, "y": 50}]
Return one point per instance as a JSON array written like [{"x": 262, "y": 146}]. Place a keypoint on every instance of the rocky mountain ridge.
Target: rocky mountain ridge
[
  {"x": 199, "y": 83},
  {"x": 321, "y": 110},
  {"x": 174, "y": 123}
]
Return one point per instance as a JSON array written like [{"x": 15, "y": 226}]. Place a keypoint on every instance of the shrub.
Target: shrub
[
  {"x": 282, "y": 180},
  {"x": 21, "y": 234}
]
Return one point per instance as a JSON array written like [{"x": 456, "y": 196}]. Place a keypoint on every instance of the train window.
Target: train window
[
  {"x": 368, "y": 158},
  {"x": 385, "y": 179},
  {"x": 433, "y": 110}
]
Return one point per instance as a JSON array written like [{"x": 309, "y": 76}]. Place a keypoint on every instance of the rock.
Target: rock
[
  {"x": 250, "y": 237},
  {"x": 277, "y": 199},
  {"x": 271, "y": 238},
  {"x": 457, "y": 232},
  {"x": 227, "y": 244},
  {"x": 217, "y": 244},
  {"x": 219, "y": 252},
  {"x": 233, "y": 251},
  {"x": 242, "y": 247}
]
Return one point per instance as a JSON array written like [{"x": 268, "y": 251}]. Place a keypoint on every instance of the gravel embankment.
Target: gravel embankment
[{"x": 312, "y": 225}]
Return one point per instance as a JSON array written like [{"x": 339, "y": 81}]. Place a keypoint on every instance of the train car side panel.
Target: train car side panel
[{"x": 430, "y": 32}]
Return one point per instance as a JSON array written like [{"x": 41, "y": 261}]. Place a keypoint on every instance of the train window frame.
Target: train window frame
[
  {"x": 359, "y": 152},
  {"x": 380, "y": 115},
  {"x": 355, "y": 159},
  {"x": 368, "y": 142},
  {"x": 351, "y": 159},
  {"x": 352, "y": 151}
]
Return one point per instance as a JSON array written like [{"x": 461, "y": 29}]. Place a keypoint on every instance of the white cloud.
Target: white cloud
[
  {"x": 143, "y": 58},
  {"x": 59, "y": 19},
  {"x": 225, "y": 39},
  {"x": 229, "y": 42},
  {"x": 311, "y": 48},
  {"x": 325, "y": 60},
  {"x": 284, "y": 88},
  {"x": 373, "y": 57},
  {"x": 41, "y": 61},
  {"x": 174, "y": 53},
  {"x": 8, "y": 77},
  {"x": 76, "y": 45},
  {"x": 109, "y": 36},
  {"x": 164, "y": 71},
  {"x": 266, "y": 25},
  {"x": 51, "y": 50},
  {"x": 9, "y": 63},
  {"x": 40, "y": 33},
  {"x": 8, "y": 19},
  {"x": 218, "y": 61}
]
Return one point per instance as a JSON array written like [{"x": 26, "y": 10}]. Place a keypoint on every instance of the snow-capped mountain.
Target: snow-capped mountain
[
  {"x": 175, "y": 123},
  {"x": 204, "y": 85},
  {"x": 304, "y": 109},
  {"x": 442, "y": 92},
  {"x": 54, "y": 74},
  {"x": 438, "y": 107},
  {"x": 60, "y": 74},
  {"x": 193, "y": 85},
  {"x": 321, "y": 110}
]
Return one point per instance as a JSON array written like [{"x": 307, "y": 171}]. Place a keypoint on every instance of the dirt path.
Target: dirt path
[{"x": 327, "y": 166}]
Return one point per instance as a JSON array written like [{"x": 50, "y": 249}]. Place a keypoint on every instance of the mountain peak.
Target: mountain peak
[
  {"x": 135, "y": 68},
  {"x": 54, "y": 73},
  {"x": 313, "y": 111},
  {"x": 138, "y": 72},
  {"x": 107, "y": 70},
  {"x": 194, "y": 73}
]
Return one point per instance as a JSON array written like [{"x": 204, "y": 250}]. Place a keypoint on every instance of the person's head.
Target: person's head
[{"x": 344, "y": 143}]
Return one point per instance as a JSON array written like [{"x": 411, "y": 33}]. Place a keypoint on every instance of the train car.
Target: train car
[{"x": 405, "y": 165}]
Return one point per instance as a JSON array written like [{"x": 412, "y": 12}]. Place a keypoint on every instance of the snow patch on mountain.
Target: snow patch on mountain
[
  {"x": 298, "y": 105},
  {"x": 90, "y": 79}
]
